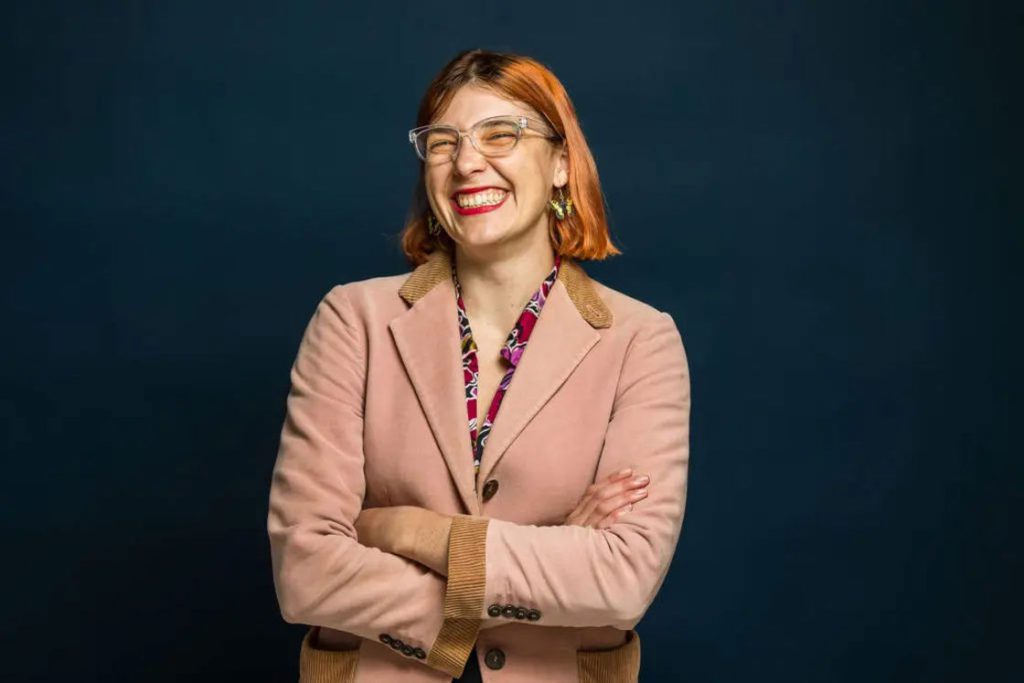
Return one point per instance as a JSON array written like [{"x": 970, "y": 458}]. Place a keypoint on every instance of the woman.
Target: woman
[{"x": 535, "y": 545}]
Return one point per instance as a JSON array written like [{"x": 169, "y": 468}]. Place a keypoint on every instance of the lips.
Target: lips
[
  {"x": 472, "y": 198},
  {"x": 474, "y": 190}
]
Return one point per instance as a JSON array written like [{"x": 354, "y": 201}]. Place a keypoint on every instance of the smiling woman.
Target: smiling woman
[
  {"x": 417, "y": 535},
  {"x": 522, "y": 125}
]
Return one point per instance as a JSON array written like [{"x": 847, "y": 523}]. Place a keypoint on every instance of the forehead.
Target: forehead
[{"x": 472, "y": 103}]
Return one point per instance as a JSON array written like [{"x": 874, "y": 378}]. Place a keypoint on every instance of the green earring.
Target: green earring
[
  {"x": 433, "y": 225},
  {"x": 561, "y": 206}
]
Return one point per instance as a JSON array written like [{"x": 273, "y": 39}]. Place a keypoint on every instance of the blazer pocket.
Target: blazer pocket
[
  {"x": 617, "y": 665},
  {"x": 317, "y": 665}
]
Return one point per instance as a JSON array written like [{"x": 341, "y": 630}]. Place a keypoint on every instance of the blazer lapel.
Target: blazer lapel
[
  {"x": 427, "y": 339},
  {"x": 559, "y": 342}
]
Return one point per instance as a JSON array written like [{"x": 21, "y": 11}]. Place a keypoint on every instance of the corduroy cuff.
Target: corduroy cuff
[{"x": 464, "y": 595}]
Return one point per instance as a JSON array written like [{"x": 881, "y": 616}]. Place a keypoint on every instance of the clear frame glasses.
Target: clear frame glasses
[{"x": 495, "y": 136}]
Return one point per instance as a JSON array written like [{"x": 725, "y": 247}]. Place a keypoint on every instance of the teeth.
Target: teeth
[{"x": 485, "y": 198}]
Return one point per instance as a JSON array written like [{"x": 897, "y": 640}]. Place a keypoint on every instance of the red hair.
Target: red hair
[{"x": 582, "y": 236}]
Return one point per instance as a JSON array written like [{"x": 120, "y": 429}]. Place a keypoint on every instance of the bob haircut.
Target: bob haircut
[{"x": 582, "y": 236}]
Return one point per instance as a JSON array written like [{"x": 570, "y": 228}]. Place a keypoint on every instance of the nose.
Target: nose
[{"x": 469, "y": 159}]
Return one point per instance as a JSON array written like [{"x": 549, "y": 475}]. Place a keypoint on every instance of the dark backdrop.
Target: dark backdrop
[{"x": 818, "y": 192}]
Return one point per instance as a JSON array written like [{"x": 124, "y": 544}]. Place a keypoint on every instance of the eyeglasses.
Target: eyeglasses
[{"x": 495, "y": 136}]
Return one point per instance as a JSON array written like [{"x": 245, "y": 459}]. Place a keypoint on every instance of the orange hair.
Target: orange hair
[{"x": 582, "y": 236}]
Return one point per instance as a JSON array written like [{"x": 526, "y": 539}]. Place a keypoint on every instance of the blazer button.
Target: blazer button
[
  {"x": 521, "y": 613},
  {"x": 490, "y": 488},
  {"x": 533, "y": 615},
  {"x": 385, "y": 638},
  {"x": 396, "y": 644},
  {"x": 494, "y": 611},
  {"x": 407, "y": 650},
  {"x": 420, "y": 654},
  {"x": 509, "y": 611},
  {"x": 494, "y": 659}
]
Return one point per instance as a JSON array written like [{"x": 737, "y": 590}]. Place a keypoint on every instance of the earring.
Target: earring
[
  {"x": 433, "y": 225},
  {"x": 561, "y": 206}
]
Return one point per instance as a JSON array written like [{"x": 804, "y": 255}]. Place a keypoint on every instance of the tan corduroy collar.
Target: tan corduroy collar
[{"x": 577, "y": 283}]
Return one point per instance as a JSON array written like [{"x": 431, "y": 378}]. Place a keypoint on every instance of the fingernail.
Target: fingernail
[
  {"x": 636, "y": 495},
  {"x": 628, "y": 470},
  {"x": 642, "y": 479}
]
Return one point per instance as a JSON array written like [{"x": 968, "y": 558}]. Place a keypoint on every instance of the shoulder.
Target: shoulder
[
  {"x": 647, "y": 335},
  {"x": 368, "y": 293},
  {"x": 360, "y": 305},
  {"x": 630, "y": 314}
]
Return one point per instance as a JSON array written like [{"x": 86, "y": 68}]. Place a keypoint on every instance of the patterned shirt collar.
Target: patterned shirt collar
[{"x": 515, "y": 343}]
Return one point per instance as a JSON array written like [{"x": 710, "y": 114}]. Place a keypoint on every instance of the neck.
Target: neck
[{"x": 496, "y": 288}]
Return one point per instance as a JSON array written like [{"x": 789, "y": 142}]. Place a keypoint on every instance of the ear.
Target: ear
[{"x": 561, "y": 168}]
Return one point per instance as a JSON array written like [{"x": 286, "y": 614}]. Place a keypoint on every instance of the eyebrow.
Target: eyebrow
[{"x": 495, "y": 116}]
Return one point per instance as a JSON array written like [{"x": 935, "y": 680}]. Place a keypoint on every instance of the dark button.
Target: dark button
[
  {"x": 533, "y": 615},
  {"x": 385, "y": 638},
  {"x": 509, "y": 611},
  {"x": 396, "y": 644},
  {"x": 495, "y": 659},
  {"x": 494, "y": 610},
  {"x": 490, "y": 488},
  {"x": 420, "y": 654},
  {"x": 521, "y": 613},
  {"x": 407, "y": 650}
]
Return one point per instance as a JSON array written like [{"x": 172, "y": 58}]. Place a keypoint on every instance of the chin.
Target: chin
[{"x": 484, "y": 234}]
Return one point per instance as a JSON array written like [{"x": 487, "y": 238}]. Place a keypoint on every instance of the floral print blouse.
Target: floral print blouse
[{"x": 512, "y": 350}]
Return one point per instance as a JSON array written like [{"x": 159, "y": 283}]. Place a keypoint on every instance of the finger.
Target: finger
[
  {"x": 598, "y": 521},
  {"x": 601, "y": 491},
  {"x": 608, "y": 492},
  {"x": 614, "y": 517},
  {"x": 596, "y": 487},
  {"x": 621, "y": 474},
  {"x": 605, "y": 514},
  {"x": 619, "y": 502}
]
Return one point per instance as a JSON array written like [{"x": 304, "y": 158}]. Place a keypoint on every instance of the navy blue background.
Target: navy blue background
[{"x": 818, "y": 192}]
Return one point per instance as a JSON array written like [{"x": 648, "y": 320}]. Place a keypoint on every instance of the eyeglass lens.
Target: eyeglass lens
[{"x": 490, "y": 137}]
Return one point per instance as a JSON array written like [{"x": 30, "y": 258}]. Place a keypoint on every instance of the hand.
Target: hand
[
  {"x": 606, "y": 501},
  {"x": 382, "y": 528},
  {"x": 415, "y": 533}
]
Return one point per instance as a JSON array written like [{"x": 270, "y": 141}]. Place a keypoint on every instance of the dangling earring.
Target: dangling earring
[
  {"x": 433, "y": 225},
  {"x": 561, "y": 206}
]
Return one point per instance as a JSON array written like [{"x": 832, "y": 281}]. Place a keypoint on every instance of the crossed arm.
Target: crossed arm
[
  {"x": 424, "y": 536},
  {"x": 371, "y": 573},
  {"x": 416, "y": 533}
]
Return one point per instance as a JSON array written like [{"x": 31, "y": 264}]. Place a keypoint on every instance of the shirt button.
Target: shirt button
[
  {"x": 490, "y": 488},
  {"x": 533, "y": 615},
  {"x": 494, "y": 610},
  {"x": 495, "y": 659}
]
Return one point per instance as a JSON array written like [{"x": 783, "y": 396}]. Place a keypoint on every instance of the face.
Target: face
[{"x": 525, "y": 178}]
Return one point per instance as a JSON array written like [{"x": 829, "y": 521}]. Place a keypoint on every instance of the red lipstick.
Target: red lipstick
[{"x": 471, "y": 211}]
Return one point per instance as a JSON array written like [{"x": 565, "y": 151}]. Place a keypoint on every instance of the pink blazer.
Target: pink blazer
[{"x": 376, "y": 416}]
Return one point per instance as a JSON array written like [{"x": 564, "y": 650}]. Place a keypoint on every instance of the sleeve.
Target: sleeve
[
  {"x": 322, "y": 575},
  {"x": 579, "y": 576}
]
